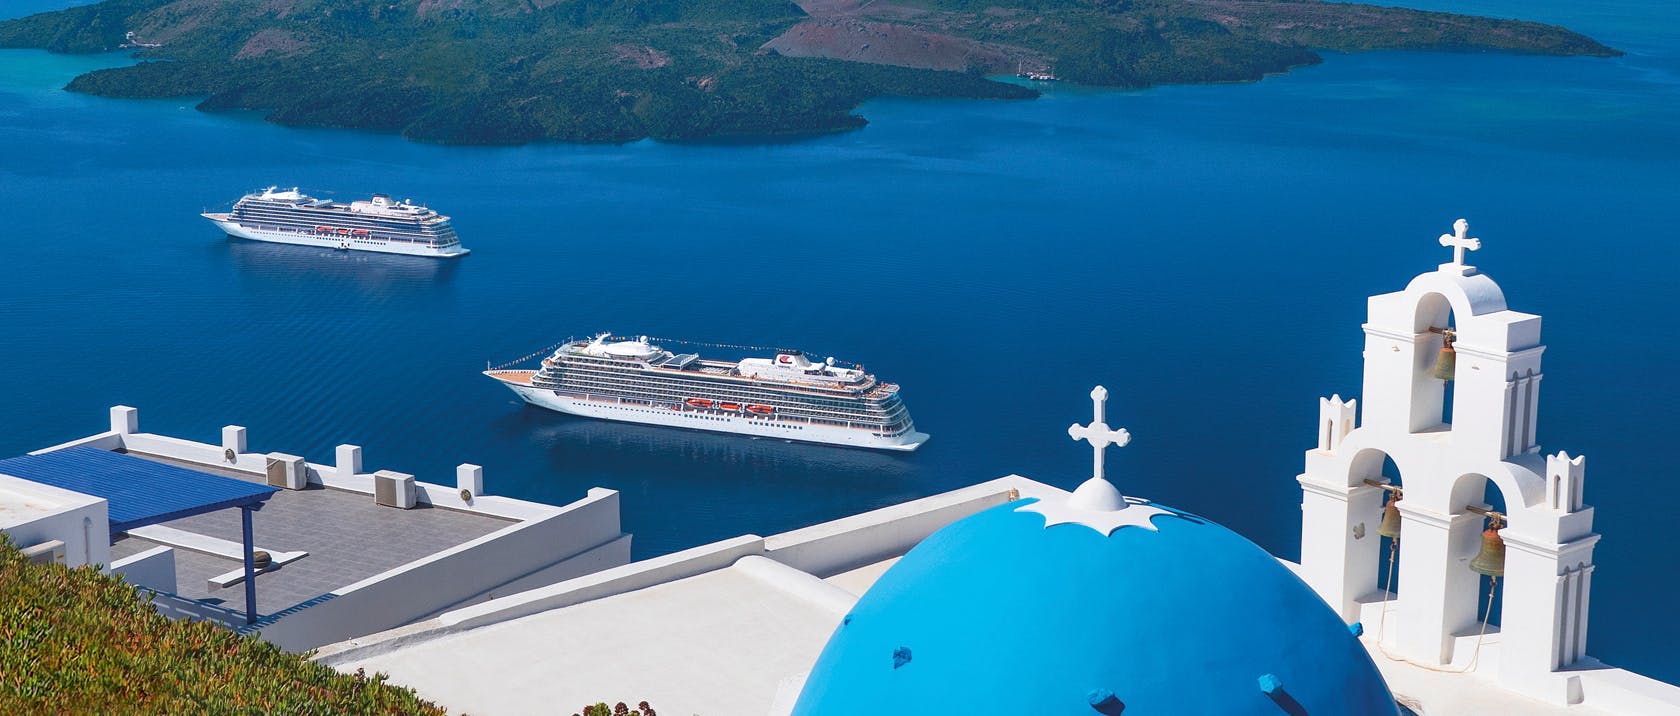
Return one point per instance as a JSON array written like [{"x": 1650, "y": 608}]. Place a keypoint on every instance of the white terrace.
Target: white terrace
[{"x": 353, "y": 550}]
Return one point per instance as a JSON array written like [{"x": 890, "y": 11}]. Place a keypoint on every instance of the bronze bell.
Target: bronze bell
[
  {"x": 1446, "y": 362},
  {"x": 1390, "y": 526},
  {"x": 1491, "y": 560}
]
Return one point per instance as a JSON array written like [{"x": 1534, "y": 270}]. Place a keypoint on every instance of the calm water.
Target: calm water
[{"x": 1205, "y": 252}]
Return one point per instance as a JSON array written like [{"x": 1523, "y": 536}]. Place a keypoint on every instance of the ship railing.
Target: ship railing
[
  {"x": 679, "y": 393},
  {"x": 544, "y": 352},
  {"x": 793, "y": 387}
]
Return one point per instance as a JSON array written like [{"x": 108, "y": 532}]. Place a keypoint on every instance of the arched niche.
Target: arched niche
[
  {"x": 1434, "y": 310},
  {"x": 1375, "y": 464},
  {"x": 1434, "y": 313},
  {"x": 1498, "y": 487},
  {"x": 1479, "y": 490}
]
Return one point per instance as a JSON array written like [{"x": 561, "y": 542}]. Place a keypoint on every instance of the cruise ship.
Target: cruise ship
[
  {"x": 789, "y": 396},
  {"x": 378, "y": 224}
]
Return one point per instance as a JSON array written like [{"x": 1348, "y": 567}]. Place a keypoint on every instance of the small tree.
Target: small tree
[{"x": 619, "y": 709}]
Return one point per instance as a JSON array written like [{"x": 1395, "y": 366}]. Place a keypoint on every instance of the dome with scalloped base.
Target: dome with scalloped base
[{"x": 1074, "y": 607}]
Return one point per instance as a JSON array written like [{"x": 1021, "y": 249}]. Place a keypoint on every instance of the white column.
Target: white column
[
  {"x": 1339, "y": 542},
  {"x": 1516, "y": 414},
  {"x": 1582, "y": 610},
  {"x": 1547, "y": 590},
  {"x": 233, "y": 438},
  {"x": 125, "y": 420},
  {"x": 1532, "y": 622},
  {"x": 1437, "y": 587},
  {"x": 470, "y": 477},
  {"x": 349, "y": 460}
]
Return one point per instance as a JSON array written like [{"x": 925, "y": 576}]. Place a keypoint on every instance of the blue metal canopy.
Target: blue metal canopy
[{"x": 140, "y": 492}]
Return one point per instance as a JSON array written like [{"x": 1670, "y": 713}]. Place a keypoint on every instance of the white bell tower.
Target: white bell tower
[{"x": 1444, "y": 463}]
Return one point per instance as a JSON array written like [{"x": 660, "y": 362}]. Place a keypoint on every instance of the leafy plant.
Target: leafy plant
[
  {"x": 601, "y": 709},
  {"x": 77, "y": 641}
]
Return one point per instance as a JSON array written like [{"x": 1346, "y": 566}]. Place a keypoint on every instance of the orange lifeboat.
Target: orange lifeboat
[
  {"x": 730, "y": 406},
  {"x": 699, "y": 403},
  {"x": 323, "y": 229},
  {"x": 360, "y": 232},
  {"x": 761, "y": 409},
  {"x": 343, "y": 232}
]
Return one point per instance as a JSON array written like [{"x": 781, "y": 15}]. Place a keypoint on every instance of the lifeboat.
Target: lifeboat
[
  {"x": 699, "y": 402},
  {"x": 323, "y": 229},
  {"x": 360, "y": 232},
  {"x": 730, "y": 406},
  {"x": 343, "y": 232},
  {"x": 761, "y": 409}
]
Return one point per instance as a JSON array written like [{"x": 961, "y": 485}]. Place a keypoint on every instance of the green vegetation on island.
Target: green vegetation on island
[
  {"x": 514, "y": 71},
  {"x": 77, "y": 641}
]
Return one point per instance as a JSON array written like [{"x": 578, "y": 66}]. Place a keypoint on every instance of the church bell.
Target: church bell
[
  {"x": 1390, "y": 526},
  {"x": 1446, "y": 362},
  {"x": 1491, "y": 560}
]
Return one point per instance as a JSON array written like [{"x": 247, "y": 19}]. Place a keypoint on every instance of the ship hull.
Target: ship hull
[
  {"x": 348, "y": 243},
  {"x": 712, "y": 420}
]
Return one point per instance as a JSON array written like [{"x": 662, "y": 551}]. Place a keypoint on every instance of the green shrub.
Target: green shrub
[
  {"x": 601, "y": 709},
  {"x": 77, "y": 641}
]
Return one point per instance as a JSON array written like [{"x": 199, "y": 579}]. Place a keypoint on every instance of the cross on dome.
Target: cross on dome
[
  {"x": 1460, "y": 240},
  {"x": 1098, "y": 432},
  {"x": 1097, "y": 503}
]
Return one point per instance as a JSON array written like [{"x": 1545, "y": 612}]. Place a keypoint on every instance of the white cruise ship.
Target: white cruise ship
[
  {"x": 788, "y": 397},
  {"x": 378, "y": 224}
]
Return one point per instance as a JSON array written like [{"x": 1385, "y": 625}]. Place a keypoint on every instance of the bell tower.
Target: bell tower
[{"x": 1451, "y": 399}]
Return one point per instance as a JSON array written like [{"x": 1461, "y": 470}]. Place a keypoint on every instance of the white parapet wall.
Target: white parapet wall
[
  {"x": 580, "y": 538},
  {"x": 819, "y": 550},
  {"x": 542, "y": 545},
  {"x": 832, "y": 547},
  {"x": 153, "y": 569}
]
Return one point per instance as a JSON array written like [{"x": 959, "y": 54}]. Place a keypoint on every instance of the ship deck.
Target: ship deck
[
  {"x": 871, "y": 389},
  {"x": 517, "y": 377}
]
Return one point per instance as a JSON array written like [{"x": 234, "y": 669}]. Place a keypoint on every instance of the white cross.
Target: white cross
[
  {"x": 1098, "y": 432},
  {"x": 1460, "y": 240}
]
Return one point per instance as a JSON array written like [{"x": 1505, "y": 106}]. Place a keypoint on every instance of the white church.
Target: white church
[
  {"x": 1425, "y": 501},
  {"x": 1451, "y": 331}
]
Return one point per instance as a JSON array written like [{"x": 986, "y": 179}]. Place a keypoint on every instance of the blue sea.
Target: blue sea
[{"x": 1204, "y": 252}]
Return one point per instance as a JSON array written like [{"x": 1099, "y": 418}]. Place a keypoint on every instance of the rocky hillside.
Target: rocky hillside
[{"x": 511, "y": 71}]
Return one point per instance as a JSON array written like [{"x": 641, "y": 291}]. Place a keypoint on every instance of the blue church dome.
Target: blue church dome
[{"x": 1096, "y": 604}]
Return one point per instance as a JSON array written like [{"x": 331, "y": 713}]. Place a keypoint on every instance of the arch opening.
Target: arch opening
[
  {"x": 1388, "y": 572},
  {"x": 1479, "y": 490},
  {"x": 1434, "y": 314},
  {"x": 1374, "y": 464}
]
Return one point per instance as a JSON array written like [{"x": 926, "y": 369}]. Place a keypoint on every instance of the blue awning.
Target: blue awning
[{"x": 140, "y": 492}]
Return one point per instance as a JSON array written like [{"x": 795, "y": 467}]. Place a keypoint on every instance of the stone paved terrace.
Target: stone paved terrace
[{"x": 348, "y": 537}]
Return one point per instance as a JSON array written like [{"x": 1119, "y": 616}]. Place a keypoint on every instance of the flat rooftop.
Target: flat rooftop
[
  {"x": 347, "y": 535},
  {"x": 17, "y": 507},
  {"x": 750, "y": 627}
]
